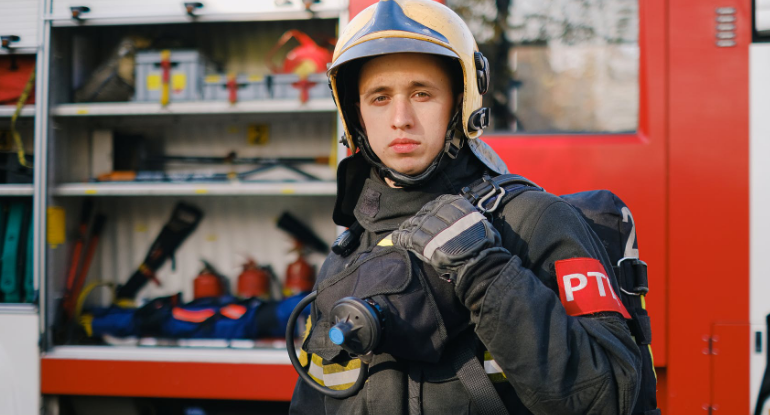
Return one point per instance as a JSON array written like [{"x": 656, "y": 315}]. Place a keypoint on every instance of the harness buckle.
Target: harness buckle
[
  {"x": 472, "y": 194},
  {"x": 454, "y": 143},
  {"x": 638, "y": 275},
  {"x": 495, "y": 191},
  {"x": 452, "y": 150}
]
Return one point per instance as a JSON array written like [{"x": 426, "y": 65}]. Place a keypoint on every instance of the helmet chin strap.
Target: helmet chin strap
[{"x": 453, "y": 142}]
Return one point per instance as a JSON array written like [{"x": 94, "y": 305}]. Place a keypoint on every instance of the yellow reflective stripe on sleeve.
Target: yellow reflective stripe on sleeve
[
  {"x": 333, "y": 375},
  {"x": 386, "y": 241},
  {"x": 494, "y": 371},
  {"x": 649, "y": 346},
  {"x": 652, "y": 360}
]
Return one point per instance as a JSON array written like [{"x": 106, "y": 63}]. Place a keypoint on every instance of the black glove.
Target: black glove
[{"x": 447, "y": 233}]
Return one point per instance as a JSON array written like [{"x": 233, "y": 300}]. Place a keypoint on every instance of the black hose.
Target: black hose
[{"x": 337, "y": 394}]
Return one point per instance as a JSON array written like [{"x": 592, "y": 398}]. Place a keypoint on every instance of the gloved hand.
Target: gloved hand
[{"x": 447, "y": 233}]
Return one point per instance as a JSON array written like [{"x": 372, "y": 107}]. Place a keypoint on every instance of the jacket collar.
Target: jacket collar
[{"x": 382, "y": 208}]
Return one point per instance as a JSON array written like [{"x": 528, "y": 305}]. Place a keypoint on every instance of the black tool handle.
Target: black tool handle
[{"x": 183, "y": 222}]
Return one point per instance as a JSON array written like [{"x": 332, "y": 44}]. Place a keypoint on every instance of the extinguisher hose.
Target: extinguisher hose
[{"x": 337, "y": 394}]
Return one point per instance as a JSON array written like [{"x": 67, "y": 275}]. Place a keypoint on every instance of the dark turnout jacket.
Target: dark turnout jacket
[{"x": 551, "y": 363}]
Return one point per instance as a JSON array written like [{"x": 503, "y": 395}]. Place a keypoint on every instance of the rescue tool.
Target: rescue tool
[
  {"x": 80, "y": 240},
  {"x": 79, "y": 271},
  {"x": 184, "y": 219}
]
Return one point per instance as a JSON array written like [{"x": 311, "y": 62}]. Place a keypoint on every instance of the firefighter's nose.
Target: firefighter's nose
[{"x": 403, "y": 114}]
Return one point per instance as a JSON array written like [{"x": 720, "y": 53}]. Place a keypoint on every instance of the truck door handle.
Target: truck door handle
[
  {"x": 77, "y": 11},
  {"x": 191, "y": 6},
  {"x": 6, "y": 41}
]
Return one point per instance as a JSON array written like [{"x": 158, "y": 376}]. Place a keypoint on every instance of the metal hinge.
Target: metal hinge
[
  {"x": 711, "y": 348},
  {"x": 710, "y": 408},
  {"x": 711, "y": 345}
]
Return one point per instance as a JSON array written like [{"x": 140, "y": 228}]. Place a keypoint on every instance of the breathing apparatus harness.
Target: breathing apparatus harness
[{"x": 359, "y": 324}]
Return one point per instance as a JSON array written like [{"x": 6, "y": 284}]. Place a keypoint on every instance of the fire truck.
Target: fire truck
[{"x": 693, "y": 167}]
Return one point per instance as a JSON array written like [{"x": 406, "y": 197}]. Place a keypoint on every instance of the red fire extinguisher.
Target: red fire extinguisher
[
  {"x": 305, "y": 59},
  {"x": 232, "y": 88},
  {"x": 253, "y": 281},
  {"x": 300, "y": 275},
  {"x": 207, "y": 283}
]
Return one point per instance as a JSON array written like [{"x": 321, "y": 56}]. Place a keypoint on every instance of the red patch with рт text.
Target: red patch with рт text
[{"x": 584, "y": 288}]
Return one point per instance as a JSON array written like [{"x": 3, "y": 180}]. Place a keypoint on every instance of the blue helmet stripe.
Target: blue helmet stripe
[{"x": 390, "y": 16}]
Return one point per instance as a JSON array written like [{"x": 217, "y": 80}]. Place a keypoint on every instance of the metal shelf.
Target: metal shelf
[
  {"x": 259, "y": 374},
  {"x": 24, "y": 50},
  {"x": 22, "y": 309},
  {"x": 193, "y": 108},
  {"x": 16, "y": 190},
  {"x": 198, "y": 189},
  {"x": 107, "y": 20},
  {"x": 8, "y": 110},
  {"x": 268, "y": 356}
]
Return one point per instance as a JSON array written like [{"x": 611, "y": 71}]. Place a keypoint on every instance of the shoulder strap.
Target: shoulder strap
[
  {"x": 474, "y": 378},
  {"x": 487, "y": 195},
  {"x": 493, "y": 192}
]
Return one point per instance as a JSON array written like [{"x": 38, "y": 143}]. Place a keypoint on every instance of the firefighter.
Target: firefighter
[{"x": 464, "y": 293}]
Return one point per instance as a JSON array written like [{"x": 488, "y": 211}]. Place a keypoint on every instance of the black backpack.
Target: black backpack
[{"x": 613, "y": 223}]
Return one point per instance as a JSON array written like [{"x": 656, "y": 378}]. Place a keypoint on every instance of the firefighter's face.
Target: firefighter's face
[{"x": 405, "y": 103}]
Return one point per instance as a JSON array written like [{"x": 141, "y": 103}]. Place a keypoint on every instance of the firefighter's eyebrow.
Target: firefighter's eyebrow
[
  {"x": 376, "y": 90},
  {"x": 423, "y": 84}
]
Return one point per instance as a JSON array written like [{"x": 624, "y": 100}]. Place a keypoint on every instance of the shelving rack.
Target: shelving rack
[
  {"x": 20, "y": 322},
  {"x": 192, "y": 108},
  {"x": 27, "y": 112},
  {"x": 63, "y": 134},
  {"x": 196, "y": 189},
  {"x": 16, "y": 190},
  {"x": 19, "y": 20},
  {"x": 6, "y": 111}
]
